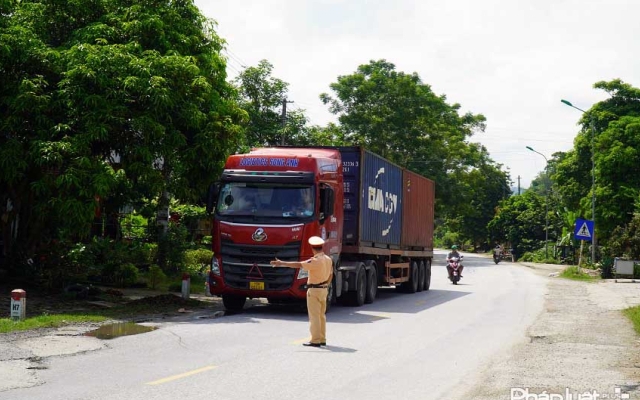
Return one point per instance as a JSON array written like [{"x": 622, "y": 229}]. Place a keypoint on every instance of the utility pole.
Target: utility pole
[
  {"x": 518, "y": 185},
  {"x": 284, "y": 118}
]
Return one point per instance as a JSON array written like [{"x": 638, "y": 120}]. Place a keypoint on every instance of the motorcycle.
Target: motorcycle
[
  {"x": 454, "y": 264},
  {"x": 497, "y": 257}
]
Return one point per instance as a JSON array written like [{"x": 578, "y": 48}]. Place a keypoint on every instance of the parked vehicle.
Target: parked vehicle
[{"x": 376, "y": 219}]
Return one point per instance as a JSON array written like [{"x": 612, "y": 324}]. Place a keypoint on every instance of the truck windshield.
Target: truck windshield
[{"x": 266, "y": 200}]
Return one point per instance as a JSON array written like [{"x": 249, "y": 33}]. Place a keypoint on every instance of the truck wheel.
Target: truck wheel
[
  {"x": 427, "y": 275},
  {"x": 421, "y": 276},
  {"x": 412, "y": 285},
  {"x": 330, "y": 296},
  {"x": 356, "y": 299},
  {"x": 372, "y": 285},
  {"x": 233, "y": 303}
]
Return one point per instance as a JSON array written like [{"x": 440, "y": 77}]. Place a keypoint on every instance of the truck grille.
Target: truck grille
[{"x": 244, "y": 262}]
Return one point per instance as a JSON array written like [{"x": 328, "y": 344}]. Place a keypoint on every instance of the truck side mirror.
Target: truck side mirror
[
  {"x": 327, "y": 200},
  {"x": 212, "y": 197}
]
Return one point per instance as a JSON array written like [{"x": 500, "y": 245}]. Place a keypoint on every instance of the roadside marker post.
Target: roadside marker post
[
  {"x": 18, "y": 305},
  {"x": 186, "y": 286}
]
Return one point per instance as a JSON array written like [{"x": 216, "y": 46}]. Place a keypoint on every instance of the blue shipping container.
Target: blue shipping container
[{"x": 372, "y": 199}]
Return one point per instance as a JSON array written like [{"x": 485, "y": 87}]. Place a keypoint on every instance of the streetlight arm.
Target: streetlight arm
[
  {"x": 545, "y": 157},
  {"x": 571, "y": 105}
]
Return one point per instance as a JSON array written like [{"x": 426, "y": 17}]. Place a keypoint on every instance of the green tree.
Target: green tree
[
  {"x": 115, "y": 100},
  {"x": 615, "y": 126},
  {"x": 396, "y": 115},
  {"x": 330, "y": 135},
  {"x": 520, "y": 221},
  {"x": 262, "y": 96},
  {"x": 486, "y": 186},
  {"x": 625, "y": 240}
]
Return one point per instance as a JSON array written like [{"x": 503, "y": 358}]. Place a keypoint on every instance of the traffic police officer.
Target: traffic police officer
[{"x": 320, "y": 270}]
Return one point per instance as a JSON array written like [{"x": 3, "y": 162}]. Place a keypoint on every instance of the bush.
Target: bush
[
  {"x": 134, "y": 226},
  {"x": 575, "y": 274},
  {"x": 127, "y": 275},
  {"x": 607, "y": 267},
  {"x": 121, "y": 275},
  {"x": 155, "y": 276},
  {"x": 197, "y": 285},
  {"x": 538, "y": 256},
  {"x": 58, "y": 264},
  {"x": 197, "y": 261},
  {"x": 529, "y": 257},
  {"x": 449, "y": 239},
  {"x": 142, "y": 254},
  {"x": 171, "y": 248}
]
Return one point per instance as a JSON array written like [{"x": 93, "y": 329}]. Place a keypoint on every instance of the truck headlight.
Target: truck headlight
[
  {"x": 303, "y": 273},
  {"x": 215, "y": 267}
]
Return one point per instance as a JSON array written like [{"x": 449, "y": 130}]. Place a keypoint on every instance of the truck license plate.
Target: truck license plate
[{"x": 256, "y": 285}]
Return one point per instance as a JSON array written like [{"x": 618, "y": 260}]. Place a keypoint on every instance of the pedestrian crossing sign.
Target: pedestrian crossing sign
[{"x": 584, "y": 229}]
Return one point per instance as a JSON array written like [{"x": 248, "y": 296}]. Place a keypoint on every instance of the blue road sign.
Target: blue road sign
[{"x": 584, "y": 229}]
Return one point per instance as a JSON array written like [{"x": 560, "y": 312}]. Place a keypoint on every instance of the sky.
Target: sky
[{"x": 510, "y": 60}]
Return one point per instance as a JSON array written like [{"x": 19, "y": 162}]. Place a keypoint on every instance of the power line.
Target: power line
[
  {"x": 237, "y": 58},
  {"x": 233, "y": 68}
]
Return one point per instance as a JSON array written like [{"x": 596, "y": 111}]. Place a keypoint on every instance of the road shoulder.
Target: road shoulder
[{"x": 581, "y": 342}]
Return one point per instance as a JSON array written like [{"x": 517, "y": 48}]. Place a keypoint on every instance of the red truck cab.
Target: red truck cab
[{"x": 268, "y": 203}]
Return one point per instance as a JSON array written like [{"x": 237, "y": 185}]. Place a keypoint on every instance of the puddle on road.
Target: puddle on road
[{"x": 111, "y": 331}]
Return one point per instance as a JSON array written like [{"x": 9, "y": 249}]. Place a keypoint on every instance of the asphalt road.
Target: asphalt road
[{"x": 426, "y": 345}]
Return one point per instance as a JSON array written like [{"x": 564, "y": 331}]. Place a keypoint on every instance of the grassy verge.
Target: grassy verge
[
  {"x": 164, "y": 304},
  {"x": 633, "y": 314},
  {"x": 47, "y": 321},
  {"x": 574, "y": 274}
]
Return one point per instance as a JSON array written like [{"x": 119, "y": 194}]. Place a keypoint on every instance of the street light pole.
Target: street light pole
[
  {"x": 546, "y": 213},
  {"x": 593, "y": 180}
]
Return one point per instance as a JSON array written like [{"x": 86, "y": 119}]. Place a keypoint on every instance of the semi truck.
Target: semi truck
[{"x": 376, "y": 219}]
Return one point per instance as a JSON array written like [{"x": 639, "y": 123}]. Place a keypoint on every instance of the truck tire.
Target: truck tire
[
  {"x": 233, "y": 303},
  {"x": 331, "y": 296},
  {"x": 356, "y": 298},
  {"x": 372, "y": 284},
  {"x": 421, "y": 276},
  {"x": 412, "y": 285},
  {"x": 427, "y": 275}
]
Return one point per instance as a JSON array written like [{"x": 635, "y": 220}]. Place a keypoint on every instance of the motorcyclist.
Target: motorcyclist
[
  {"x": 497, "y": 251},
  {"x": 454, "y": 253}
]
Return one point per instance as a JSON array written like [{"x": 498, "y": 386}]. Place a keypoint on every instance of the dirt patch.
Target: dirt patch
[
  {"x": 41, "y": 301},
  {"x": 164, "y": 300}
]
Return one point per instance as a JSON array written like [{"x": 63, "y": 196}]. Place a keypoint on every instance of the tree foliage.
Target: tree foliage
[
  {"x": 625, "y": 241},
  {"x": 107, "y": 99},
  {"x": 261, "y": 97},
  {"x": 399, "y": 117},
  {"x": 614, "y": 125},
  {"x": 520, "y": 221}
]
